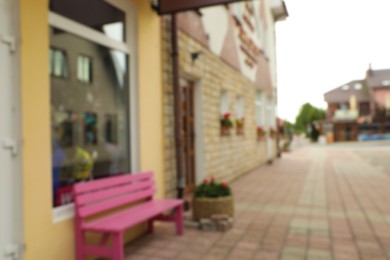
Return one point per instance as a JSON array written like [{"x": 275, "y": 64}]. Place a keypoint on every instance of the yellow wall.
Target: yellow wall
[
  {"x": 150, "y": 81},
  {"x": 44, "y": 239}
]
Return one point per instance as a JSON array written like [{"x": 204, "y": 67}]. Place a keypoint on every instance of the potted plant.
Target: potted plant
[
  {"x": 226, "y": 124},
  {"x": 240, "y": 126},
  {"x": 212, "y": 198},
  {"x": 260, "y": 133}
]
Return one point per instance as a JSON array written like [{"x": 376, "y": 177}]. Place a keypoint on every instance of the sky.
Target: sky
[{"x": 326, "y": 43}]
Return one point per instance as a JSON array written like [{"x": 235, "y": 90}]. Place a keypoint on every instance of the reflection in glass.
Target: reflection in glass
[
  {"x": 84, "y": 69},
  {"x": 90, "y": 128},
  {"x": 90, "y": 123},
  {"x": 64, "y": 130},
  {"x": 58, "y": 63}
]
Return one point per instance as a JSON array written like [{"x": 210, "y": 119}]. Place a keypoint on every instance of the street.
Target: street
[{"x": 317, "y": 202}]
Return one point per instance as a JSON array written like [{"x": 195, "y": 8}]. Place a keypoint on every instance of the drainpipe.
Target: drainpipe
[{"x": 177, "y": 107}]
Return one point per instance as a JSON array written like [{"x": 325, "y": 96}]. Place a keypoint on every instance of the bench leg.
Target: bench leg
[
  {"x": 117, "y": 246},
  {"x": 179, "y": 220},
  {"x": 150, "y": 226},
  {"x": 79, "y": 245}
]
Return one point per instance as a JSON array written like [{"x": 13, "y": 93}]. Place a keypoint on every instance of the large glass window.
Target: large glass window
[{"x": 90, "y": 122}]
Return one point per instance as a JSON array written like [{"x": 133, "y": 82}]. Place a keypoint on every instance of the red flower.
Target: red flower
[
  {"x": 205, "y": 182},
  {"x": 224, "y": 185},
  {"x": 226, "y": 116},
  {"x": 212, "y": 180}
]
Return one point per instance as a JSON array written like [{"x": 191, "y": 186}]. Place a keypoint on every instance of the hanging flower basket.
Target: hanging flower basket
[
  {"x": 226, "y": 124},
  {"x": 212, "y": 198},
  {"x": 240, "y": 126},
  {"x": 260, "y": 133}
]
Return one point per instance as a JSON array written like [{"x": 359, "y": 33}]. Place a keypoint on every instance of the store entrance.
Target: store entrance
[{"x": 188, "y": 134}]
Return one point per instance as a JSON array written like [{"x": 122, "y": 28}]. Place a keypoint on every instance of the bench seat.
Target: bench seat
[{"x": 131, "y": 217}]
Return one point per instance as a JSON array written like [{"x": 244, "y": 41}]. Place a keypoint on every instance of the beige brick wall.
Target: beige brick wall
[{"x": 225, "y": 157}]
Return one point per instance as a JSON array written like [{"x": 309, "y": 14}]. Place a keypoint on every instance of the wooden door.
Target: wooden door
[{"x": 188, "y": 135}]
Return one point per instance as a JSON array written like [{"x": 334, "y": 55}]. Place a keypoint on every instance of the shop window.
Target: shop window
[
  {"x": 90, "y": 126},
  {"x": 58, "y": 63},
  {"x": 84, "y": 69}
]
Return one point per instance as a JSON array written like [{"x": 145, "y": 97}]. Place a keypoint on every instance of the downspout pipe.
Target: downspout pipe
[{"x": 177, "y": 107}]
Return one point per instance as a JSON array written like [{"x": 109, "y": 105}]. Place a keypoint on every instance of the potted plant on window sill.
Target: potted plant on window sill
[
  {"x": 260, "y": 133},
  {"x": 240, "y": 126},
  {"x": 226, "y": 124},
  {"x": 212, "y": 198}
]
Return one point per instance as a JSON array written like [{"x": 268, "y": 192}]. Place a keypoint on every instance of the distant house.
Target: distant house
[
  {"x": 360, "y": 109},
  {"x": 378, "y": 82}
]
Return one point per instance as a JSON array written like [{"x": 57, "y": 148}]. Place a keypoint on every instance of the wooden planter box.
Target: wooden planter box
[{"x": 206, "y": 207}]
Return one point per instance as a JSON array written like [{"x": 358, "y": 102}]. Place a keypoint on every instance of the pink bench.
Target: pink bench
[{"x": 105, "y": 195}]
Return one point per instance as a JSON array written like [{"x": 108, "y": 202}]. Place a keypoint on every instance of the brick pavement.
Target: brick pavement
[{"x": 314, "y": 203}]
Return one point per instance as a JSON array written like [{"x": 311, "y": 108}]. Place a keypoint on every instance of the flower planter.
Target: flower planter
[{"x": 206, "y": 207}]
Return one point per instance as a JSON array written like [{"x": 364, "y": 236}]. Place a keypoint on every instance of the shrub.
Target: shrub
[{"x": 212, "y": 189}]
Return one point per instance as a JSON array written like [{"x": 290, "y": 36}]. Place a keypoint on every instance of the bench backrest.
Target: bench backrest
[{"x": 102, "y": 195}]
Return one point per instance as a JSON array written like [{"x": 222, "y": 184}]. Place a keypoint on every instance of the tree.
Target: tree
[{"x": 306, "y": 118}]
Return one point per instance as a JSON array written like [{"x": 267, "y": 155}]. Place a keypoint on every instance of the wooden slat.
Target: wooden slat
[
  {"x": 91, "y": 210},
  {"x": 108, "y": 182},
  {"x": 133, "y": 216},
  {"x": 130, "y": 189}
]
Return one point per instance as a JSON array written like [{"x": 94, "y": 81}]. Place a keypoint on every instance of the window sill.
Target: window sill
[{"x": 62, "y": 213}]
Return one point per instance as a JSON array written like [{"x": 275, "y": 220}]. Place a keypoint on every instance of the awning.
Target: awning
[
  {"x": 162, "y": 7},
  {"x": 174, "y": 6}
]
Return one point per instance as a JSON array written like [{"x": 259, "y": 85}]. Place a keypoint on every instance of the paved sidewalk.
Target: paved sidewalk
[{"x": 314, "y": 203}]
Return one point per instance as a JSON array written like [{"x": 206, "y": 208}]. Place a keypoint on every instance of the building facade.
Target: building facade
[
  {"x": 78, "y": 89},
  {"x": 360, "y": 109},
  {"x": 87, "y": 95},
  {"x": 227, "y": 68}
]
